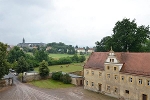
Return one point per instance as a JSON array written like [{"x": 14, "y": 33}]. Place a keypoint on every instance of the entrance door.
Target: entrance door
[
  {"x": 99, "y": 86},
  {"x": 80, "y": 82},
  {"x": 144, "y": 97}
]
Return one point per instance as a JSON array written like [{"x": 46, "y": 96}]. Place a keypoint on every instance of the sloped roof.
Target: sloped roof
[{"x": 134, "y": 63}]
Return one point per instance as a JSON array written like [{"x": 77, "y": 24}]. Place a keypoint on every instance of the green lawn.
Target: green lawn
[
  {"x": 71, "y": 68},
  {"x": 51, "y": 84},
  {"x": 57, "y": 56}
]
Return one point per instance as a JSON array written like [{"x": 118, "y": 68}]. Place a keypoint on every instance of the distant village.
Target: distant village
[{"x": 53, "y": 47}]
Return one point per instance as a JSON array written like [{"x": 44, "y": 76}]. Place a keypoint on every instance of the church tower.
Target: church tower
[{"x": 23, "y": 40}]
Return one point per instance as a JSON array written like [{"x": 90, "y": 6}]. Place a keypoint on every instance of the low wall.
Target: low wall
[
  {"x": 6, "y": 82},
  {"x": 28, "y": 78}
]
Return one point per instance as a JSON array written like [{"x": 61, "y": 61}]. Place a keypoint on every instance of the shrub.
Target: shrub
[
  {"x": 56, "y": 75},
  {"x": 66, "y": 79},
  {"x": 43, "y": 69}
]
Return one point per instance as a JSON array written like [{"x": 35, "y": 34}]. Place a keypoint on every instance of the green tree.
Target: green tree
[
  {"x": 75, "y": 58},
  {"x": 3, "y": 61},
  {"x": 22, "y": 65},
  {"x": 128, "y": 36},
  {"x": 82, "y": 58},
  {"x": 15, "y": 54},
  {"x": 41, "y": 55},
  {"x": 43, "y": 69},
  {"x": 104, "y": 45}
]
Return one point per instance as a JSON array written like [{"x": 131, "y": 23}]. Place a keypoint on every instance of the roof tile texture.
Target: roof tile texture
[{"x": 134, "y": 63}]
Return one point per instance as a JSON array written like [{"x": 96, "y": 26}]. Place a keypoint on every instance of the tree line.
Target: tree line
[
  {"x": 127, "y": 36},
  {"x": 21, "y": 61}
]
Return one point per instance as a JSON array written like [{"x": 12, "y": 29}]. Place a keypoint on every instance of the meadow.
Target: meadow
[
  {"x": 65, "y": 68},
  {"x": 50, "y": 84}
]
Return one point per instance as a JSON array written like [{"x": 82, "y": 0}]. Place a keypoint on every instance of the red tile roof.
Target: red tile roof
[{"x": 134, "y": 63}]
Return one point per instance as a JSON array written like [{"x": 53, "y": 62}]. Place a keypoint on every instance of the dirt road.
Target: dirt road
[{"x": 20, "y": 91}]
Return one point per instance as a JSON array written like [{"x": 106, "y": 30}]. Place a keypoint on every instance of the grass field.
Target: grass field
[
  {"x": 57, "y": 56},
  {"x": 71, "y": 68},
  {"x": 51, "y": 84}
]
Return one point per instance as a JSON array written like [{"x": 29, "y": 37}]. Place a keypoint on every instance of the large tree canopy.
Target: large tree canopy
[
  {"x": 3, "y": 61},
  {"x": 41, "y": 55},
  {"x": 127, "y": 36},
  {"x": 15, "y": 54},
  {"x": 22, "y": 65},
  {"x": 104, "y": 44}
]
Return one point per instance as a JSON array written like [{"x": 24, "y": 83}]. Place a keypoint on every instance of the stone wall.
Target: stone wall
[{"x": 28, "y": 78}]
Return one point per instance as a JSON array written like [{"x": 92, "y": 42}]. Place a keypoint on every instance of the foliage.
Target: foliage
[
  {"x": 82, "y": 58},
  {"x": 41, "y": 55},
  {"x": 22, "y": 65},
  {"x": 56, "y": 75},
  {"x": 15, "y": 54},
  {"x": 77, "y": 58},
  {"x": 66, "y": 79},
  {"x": 127, "y": 36},
  {"x": 43, "y": 69},
  {"x": 60, "y": 77},
  {"x": 104, "y": 44},
  {"x": 3, "y": 62},
  {"x": 65, "y": 60},
  {"x": 60, "y": 48}
]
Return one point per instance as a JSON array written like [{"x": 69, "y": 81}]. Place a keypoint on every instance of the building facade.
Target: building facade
[
  {"x": 122, "y": 75},
  {"x": 30, "y": 45}
]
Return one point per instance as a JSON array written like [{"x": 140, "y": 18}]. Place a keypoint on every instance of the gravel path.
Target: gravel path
[{"x": 21, "y": 91}]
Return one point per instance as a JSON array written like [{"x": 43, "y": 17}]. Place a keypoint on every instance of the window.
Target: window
[
  {"x": 140, "y": 81},
  {"x": 114, "y": 68},
  {"x": 92, "y": 72},
  {"x": 130, "y": 79},
  {"x": 148, "y": 82},
  {"x": 108, "y": 67},
  {"x": 108, "y": 88},
  {"x": 87, "y": 72},
  {"x": 116, "y": 90},
  {"x": 86, "y": 82},
  {"x": 100, "y": 74},
  {"x": 116, "y": 77},
  {"x": 127, "y": 91},
  {"x": 92, "y": 83},
  {"x": 108, "y": 75},
  {"x": 122, "y": 77},
  {"x": 112, "y": 60}
]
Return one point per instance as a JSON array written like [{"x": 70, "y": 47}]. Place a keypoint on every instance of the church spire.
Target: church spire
[{"x": 23, "y": 40}]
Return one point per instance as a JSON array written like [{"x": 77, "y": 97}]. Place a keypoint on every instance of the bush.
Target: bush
[
  {"x": 66, "y": 79},
  {"x": 43, "y": 69},
  {"x": 56, "y": 75},
  {"x": 60, "y": 77}
]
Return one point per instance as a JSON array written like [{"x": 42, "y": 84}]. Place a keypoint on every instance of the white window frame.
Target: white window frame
[{"x": 140, "y": 81}]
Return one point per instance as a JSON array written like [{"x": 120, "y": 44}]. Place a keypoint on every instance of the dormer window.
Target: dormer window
[{"x": 111, "y": 60}]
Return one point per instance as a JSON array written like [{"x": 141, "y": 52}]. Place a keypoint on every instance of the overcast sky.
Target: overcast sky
[{"x": 73, "y": 22}]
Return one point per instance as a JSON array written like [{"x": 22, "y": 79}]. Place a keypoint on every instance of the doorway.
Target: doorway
[
  {"x": 144, "y": 97},
  {"x": 99, "y": 87}
]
